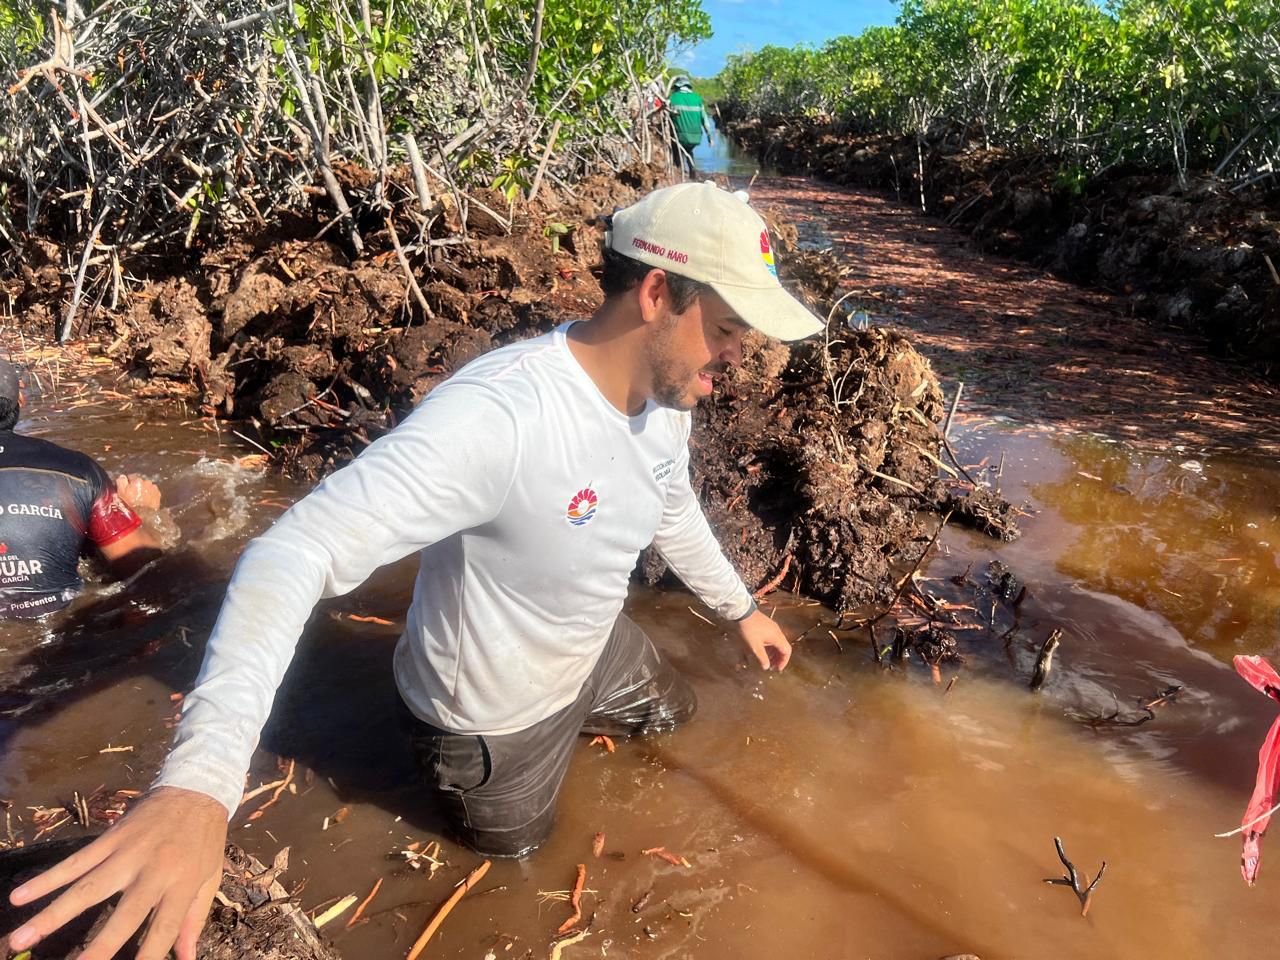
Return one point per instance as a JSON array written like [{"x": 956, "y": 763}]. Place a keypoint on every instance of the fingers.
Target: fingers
[
  {"x": 192, "y": 923},
  {"x": 59, "y": 875},
  {"x": 762, "y": 654},
  {"x": 781, "y": 655},
  {"x": 128, "y": 916},
  {"x": 95, "y": 887}
]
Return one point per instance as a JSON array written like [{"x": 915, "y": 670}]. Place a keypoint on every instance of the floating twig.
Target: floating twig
[
  {"x": 339, "y": 908},
  {"x": 575, "y": 901},
  {"x": 1072, "y": 879},
  {"x": 471, "y": 880},
  {"x": 664, "y": 854},
  {"x": 1113, "y": 718},
  {"x": 364, "y": 903},
  {"x": 280, "y": 788},
  {"x": 1044, "y": 662},
  {"x": 955, "y": 402},
  {"x": 559, "y": 945},
  {"x": 700, "y": 616},
  {"x": 1166, "y": 696}
]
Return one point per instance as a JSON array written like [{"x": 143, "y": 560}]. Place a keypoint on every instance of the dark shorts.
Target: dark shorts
[
  {"x": 499, "y": 793},
  {"x": 682, "y": 156}
]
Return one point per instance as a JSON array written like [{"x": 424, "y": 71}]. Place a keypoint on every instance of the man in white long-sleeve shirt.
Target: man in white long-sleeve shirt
[{"x": 529, "y": 482}]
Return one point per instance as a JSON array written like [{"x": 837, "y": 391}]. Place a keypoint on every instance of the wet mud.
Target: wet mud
[
  {"x": 253, "y": 916},
  {"x": 1192, "y": 257},
  {"x": 813, "y": 461}
]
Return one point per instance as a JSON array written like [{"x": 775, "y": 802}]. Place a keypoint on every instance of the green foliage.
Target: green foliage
[
  {"x": 554, "y": 230},
  {"x": 440, "y": 63},
  {"x": 591, "y": 48},
  {"x": 511, "y": 177},
  {"x": 21, "y": 27},
  {"x": 1181, "y": 83},
  {"x": 710, "y": 89},
  {"x": 227, "y": 115}
]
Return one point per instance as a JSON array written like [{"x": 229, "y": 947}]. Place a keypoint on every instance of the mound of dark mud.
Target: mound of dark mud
[
  {"x": 814, "y": 458},
  {"x": 1192, "y": 257},
  {"x": 253, "y": 917}
]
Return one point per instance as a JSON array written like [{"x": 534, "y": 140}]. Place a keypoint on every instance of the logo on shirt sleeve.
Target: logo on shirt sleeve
[{"x": 582, "y": 507}]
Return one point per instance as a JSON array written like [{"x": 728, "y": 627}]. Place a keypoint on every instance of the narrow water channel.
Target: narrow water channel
[{"x": 839, "y": 810}]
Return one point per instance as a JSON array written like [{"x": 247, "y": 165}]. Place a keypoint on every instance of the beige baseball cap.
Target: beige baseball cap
[{"x": 707, "y": 234}]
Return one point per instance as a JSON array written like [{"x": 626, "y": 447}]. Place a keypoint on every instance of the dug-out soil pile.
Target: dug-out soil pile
[
  {"x": 1193, "y": 257},
  {"x": 812, "y": 459},
  {"x": 252, "y": 918}
]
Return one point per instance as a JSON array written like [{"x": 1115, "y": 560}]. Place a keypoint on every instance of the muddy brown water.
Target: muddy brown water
[{"x": 837, "y": 810}]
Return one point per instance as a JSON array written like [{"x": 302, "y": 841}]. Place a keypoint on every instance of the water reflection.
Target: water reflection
[
  {"x": 1195, "y": 541},
  {"x": 725, "y": 157}
]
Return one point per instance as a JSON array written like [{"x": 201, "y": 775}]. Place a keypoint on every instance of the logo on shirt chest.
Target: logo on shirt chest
[{"x": 582, "y": 507}]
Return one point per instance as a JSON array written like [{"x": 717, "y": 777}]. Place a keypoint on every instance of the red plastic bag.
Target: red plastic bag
[{"x": 1257, "y": 816}]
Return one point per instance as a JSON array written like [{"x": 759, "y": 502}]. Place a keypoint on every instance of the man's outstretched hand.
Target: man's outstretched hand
[
  {"x": 764, "y": 639},
  {"x": 138, "y": 492},
  {"x": 165, "y": 856}
]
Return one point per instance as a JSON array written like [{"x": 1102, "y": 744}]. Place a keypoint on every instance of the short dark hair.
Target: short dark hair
[
  {"x": 621, "y": 273},
  {"x": 8, "y": 413}
]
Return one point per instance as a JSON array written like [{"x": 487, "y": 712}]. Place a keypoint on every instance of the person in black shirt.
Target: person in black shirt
[{"x": 54, "y": 501}]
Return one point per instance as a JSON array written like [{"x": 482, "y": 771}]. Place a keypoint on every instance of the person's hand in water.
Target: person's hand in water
[
  {"x": 165, "y": 857},
  {"x": 137, "y": 491},
  {"x": 765, "y": 640}
]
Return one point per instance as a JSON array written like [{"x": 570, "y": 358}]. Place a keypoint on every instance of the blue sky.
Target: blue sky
[{"x": 750, "y": 24}]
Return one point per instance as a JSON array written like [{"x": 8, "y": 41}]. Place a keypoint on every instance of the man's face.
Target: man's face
[{"x": 689, "y": 350}]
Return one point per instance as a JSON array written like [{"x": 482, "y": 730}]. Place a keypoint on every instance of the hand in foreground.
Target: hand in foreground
[
  {"x": 166, "y": 857},
  {"x": 137, "y": 491},
  {"x": 764, "y": 639}
]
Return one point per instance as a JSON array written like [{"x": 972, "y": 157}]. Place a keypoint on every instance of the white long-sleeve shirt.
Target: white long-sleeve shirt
[{"x": 528, "y": 496}]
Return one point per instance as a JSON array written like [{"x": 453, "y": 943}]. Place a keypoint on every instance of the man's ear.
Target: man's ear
[{"x": 655, "y": 296}]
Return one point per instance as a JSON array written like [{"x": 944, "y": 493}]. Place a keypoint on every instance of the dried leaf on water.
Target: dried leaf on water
[
  {"x": 339, "y": 908},
  {"x": 663, "y": 854}
]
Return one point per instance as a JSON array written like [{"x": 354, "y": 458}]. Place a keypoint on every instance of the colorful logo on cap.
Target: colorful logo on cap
[
  {"x": 766, "y": 253},
  {"x": 582, "y": 507}
]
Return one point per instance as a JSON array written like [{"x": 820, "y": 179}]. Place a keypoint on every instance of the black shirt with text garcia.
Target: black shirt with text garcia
[{"x": 52, "y": 501}]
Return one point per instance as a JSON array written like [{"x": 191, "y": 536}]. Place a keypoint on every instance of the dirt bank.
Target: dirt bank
[
  {"x": 253, "y": 916},
  {"x": 812, "y": 461},
  {"x": 1192, "y": 257}
]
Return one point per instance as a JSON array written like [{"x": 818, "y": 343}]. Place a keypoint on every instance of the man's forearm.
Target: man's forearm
[
  {"x": 268, "y": 602},
  {"x": 692, "y": 552}
]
